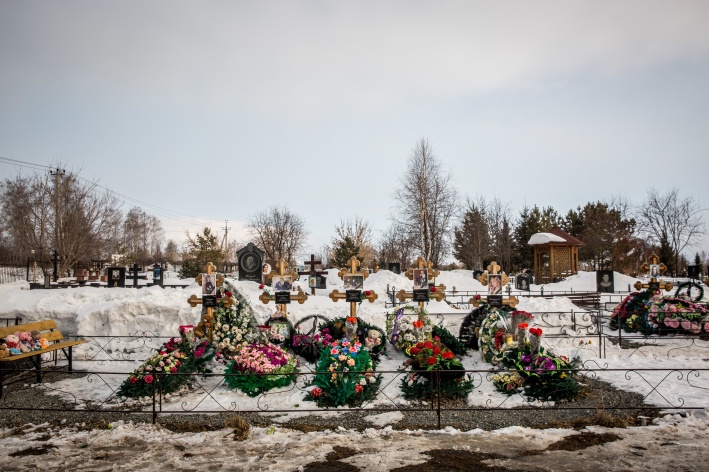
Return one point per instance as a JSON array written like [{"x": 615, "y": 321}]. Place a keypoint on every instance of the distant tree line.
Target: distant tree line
[{"x": 83, "y": 222}]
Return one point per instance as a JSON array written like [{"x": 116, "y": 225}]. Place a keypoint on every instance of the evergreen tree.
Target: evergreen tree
[
  {"x": 471, "y": 241},
  {"x": 200, "y": 250},
  {"x": 344, "y": 250}
]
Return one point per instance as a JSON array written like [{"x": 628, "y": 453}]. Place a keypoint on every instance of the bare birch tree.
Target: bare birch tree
[
  {"x": 279, "y": 232},
  {"x": 426, "y": 202},
  {"x": 670, "y": 221},
  {"x": 83, "y": 228}
]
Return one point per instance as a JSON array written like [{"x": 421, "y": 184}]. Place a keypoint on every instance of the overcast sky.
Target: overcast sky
[{"x": 217, "y": 110}]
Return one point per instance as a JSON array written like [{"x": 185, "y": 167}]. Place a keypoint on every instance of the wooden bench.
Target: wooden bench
[{"x": 48, "y": 329}]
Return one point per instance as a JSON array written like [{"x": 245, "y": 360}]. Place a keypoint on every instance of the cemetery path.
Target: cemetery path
[{"x": 675, "y": 443}]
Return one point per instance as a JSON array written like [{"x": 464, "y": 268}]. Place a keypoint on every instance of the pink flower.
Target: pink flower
[
  {"x": 148, "y": 379},
  {"x": 359, "y": 388},
  {"x": 316, "y": 392}
]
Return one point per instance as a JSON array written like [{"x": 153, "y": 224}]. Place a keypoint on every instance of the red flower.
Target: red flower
[
  {"x": 477, "y": 297},
  {"x": 367, "y": 293},
  {"x": 229, "y": 294},
  {"x": 414, "y": 350},
  {"x": 133, "y": 380},
  {"x": 447, "y": 355},
  {"x": 535, "y": 331},
  {"x": 260, "y": 287},
  {"x": 523, "y": 325},
  {"x": 433, "y": 289},
  {"x": 359, "y": 388},
  {"x": 173, "y": 370},
  {"x": 431, "y": 360},
  {"x": 428, "y": 345},
  {"x": 436, "y": 338},
  {"x": 436, "y": 350},
  {"x": 316, "y": 392},
  {"x": 419, "y": 345},
  {"x": 148, "y": 379}
]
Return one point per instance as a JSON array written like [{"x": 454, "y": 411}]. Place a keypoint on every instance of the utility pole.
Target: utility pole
[
  {"x": 57, "y": 173},
  {"x": 225, "y": 243}
]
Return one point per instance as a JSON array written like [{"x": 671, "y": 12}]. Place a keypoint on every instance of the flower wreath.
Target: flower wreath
[
  {"x": 408, "y": 325},
  {"x": 673, "y": 312},
  {"x": 493, "y": 335},
  {"x": 247, "y": 371}
]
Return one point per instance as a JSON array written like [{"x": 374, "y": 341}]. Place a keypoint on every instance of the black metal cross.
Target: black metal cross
[
  {"x": 312, "y": 272},
  {"x": 134, "y": 270}
]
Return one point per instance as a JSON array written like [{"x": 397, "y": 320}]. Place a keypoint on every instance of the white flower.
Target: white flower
[
  {"x": 372, "y": 380},
  {"x": 408, "y": 337},
  {"x": 363, "y": 381}
]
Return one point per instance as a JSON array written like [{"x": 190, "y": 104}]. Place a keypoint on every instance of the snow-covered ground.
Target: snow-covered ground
[{"x": 105, "y": 316}]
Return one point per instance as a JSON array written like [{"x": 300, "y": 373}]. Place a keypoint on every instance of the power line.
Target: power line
[{"x": 164, "y": 212}]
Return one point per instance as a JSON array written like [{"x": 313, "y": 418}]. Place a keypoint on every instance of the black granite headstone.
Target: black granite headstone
[
  {"x": 395, "y": 267},
  {"x": 251, "y": 261},
  {"x": 477, "y": 273},
  {"x": 116, "y": 276},
  {"x": 522, "y": 282},
  {"x": 321, "y": 282},
  {"x": 604, "y": 281}
]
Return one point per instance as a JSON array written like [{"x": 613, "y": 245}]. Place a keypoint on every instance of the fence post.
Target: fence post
[
  {"x": 152, "y": 387},
  {"x": 438, "y": 401}
]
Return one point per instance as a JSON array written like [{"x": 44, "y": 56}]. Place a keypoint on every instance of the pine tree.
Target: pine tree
[
  {"x": 344, "y": 250},
  {"x": 200, "y": 250}
]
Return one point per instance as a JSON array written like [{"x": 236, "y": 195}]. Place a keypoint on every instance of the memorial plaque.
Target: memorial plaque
[
  {"x": 321, "y": 283},
  {"x": 282, "y": 298},
  {"x": 522, "y": 282},
  {"x": 395, "y": 267},
  {"x": 116, "y": 276},
  {"x": 654, "y": 286},
  {"x": 604, "y": 281},
  {"x": 421, "y": 295},
  {"x": 250, "y": 259},
  {"x": 353, "y": 296},
  {"x": 209, "y": 301},
  {"x": 495, "y": 301},
  {"x": 693, "y": 271}
]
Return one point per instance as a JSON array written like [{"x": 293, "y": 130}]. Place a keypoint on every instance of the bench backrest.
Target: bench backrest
[{"x": 47, "y": 328}]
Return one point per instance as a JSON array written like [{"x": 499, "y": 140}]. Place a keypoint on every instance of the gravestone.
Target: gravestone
[
  {"x": 693, "y": 271},
  {"x": 116, "y": 276},
  {"x": 522, "y": 282},
  {"x": 158, "y": 275},
  {"x": 321, "y": 282},
  {"x": 477, "y": 273},
  {"x": 251, "y": 261},
  {"x": 395, "y": 267},
  {"x": 604, "y": 281}
]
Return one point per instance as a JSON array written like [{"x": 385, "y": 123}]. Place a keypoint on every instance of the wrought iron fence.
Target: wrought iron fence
[{"x": 209, "y": 394}]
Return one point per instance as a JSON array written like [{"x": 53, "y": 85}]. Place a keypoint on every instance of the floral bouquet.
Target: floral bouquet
[
  {"x": 257, "y": 368},
  {"x": 673, "y": 312},
  {"x": 535, "y": 339},
  {"x": 308, "y": 346},
  {"x": 407, "y": 326},
  {"x": 546, "y": 376},
  {"x": 233, "y": 326},
  {"x": 187, "y": 355},
  {"x": 508, "y": 383},
  {"x": 345, "y": 376},
  {"x": 433, "y": 363},
  {"x": 336, "y": 328},
  {"x": 517, "y": 317}
]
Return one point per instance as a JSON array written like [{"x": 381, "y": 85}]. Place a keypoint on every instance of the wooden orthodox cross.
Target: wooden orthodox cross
[
  {"x": 494, "y": 299},
  {"x": 204, "y": 327},
  {"x": 656, "y": 269},
  {"x": 283, "y": 297},
  {"x": 312, "y": 272},
  {"x": 422, "y": 294},
  {"x": 353, "y": 296}
]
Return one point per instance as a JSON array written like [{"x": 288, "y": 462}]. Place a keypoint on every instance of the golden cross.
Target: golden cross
[
  {"x": 494, "y": 269},
  {"x": 368, "y": 294},
  {"x": 439, "y": 293},
  {"x": 654, "y": 260},
  {"x": 422, "y": 263},
  {"x": 205, "y": 324},
  {"x": 283, "y": 269}
]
